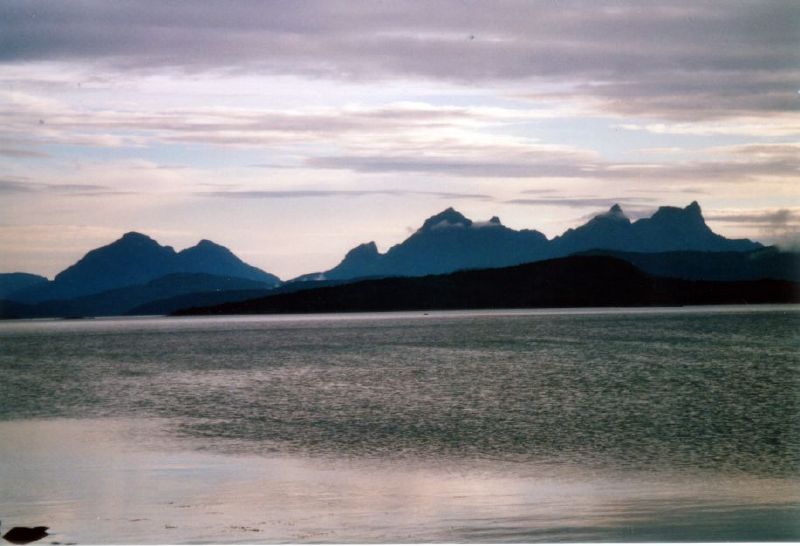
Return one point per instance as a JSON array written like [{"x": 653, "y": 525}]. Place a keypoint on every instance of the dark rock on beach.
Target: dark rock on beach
[{"x": 24, "y": 535}]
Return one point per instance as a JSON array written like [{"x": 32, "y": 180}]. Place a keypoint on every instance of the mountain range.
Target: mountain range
[
  {"x": 135, "y": 274},
  {"x": 449, "y": 241}
]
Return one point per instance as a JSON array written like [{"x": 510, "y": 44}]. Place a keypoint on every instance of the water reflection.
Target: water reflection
[
  {"x": 115, "y": 481},
  {"x": 544, "y": 426}
]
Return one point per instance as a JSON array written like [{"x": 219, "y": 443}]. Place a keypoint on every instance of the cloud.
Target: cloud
[
  {"x": 786, "y": 124},
  {"x": 301, "y": 194},
  {"x": 583, "y": 202},
  {"x": 678, "y": 60},
  {"x": 519, "y": 167},
  {"x": 520, "y": 159},
  {"x": 13, "y": 186},
  {"x": 780, "y": 227},
  {"x": 775, "y": 219},
  {"x": 21, "y": 153},
  {"x": 24, "y": 115}
]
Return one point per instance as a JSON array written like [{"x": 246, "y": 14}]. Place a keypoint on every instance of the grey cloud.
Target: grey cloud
[
  {"x": 678, "y": 60},
  {"x": 13, "y": 186},
  {"x": 773, "y": 218},
  {"x": 746, "y": 164},
  {"x": 20, "y": 153},
  {"x": 300, "y": 194},
  {"x": 85, "y": 189},
  {"x": 583, "y": 202},
  {"x": 253, "y": 128},
  {"x": 512, "y": 168},
  {"x": 780, "y": 227},
  {"x": 634, "y": 207}
]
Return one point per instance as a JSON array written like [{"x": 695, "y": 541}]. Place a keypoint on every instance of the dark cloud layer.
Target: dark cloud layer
[
  {"x": 583, "y": 202},
  {"x": 675, "y": 60},
  {"x": 17, "y": 187},
  {"x": 731, "y": 164}
]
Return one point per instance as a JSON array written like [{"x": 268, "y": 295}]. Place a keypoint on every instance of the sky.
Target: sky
[{"x": 292, "y": 131}]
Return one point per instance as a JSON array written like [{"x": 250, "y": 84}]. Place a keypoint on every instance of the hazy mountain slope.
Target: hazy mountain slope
[
  {"x": 120, "y": 301},
  {"x": 16, "y": 282}
]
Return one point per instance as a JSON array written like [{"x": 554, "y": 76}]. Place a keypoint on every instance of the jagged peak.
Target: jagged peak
[
  {"x": 493, "y": 222},
  {"x": 691, "y": 211},
  {"x": 614, "y": 213},
  {"x": 694, "y": 208},
  {"x": 448, "y": 217},
  {"x": 364, "y": 249}
]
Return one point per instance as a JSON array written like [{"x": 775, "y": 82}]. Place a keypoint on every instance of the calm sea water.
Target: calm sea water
[{"x": 487, "y": 426}]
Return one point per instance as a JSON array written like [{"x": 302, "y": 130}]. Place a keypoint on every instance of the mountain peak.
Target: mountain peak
[
  {"x": 447, "y": 218},
  {"x": 369, "y": 249},
  {"x": 495, "y": 220},
  {"x": 690, "y": 213},
  {"x": 694, "y": 208},
  {"x": 135, "y": 236},
  {"x": 206, "y": 245},
  {"x": 615, "y": 213}
]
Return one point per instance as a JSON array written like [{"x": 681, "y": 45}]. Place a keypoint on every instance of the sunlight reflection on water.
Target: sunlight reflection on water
[{"x": 109, "y": 481}]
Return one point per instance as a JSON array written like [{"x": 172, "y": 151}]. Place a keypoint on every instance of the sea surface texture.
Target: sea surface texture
[{"x": 569, "y": 425}]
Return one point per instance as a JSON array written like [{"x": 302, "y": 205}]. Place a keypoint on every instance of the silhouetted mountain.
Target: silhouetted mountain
[
  {"x": 576, "y": 281},
  {"x": 136, "y": 259},
  {"x": 209, "y": 257},
  {"x": 669, "y": 229},
  {"x": 449, "y": 241},
  {"x": 446, "y": 242},
  {"x": 120, "y": 301},
  {"x": 363, "y": 261},
  {"x": 764, "y": 263},
  {"x": 14, "y": 282}
]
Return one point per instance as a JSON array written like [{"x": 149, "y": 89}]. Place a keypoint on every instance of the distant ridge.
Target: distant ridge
[
  {"x": 15, "y": 282},
  {"x": 575, "y": 281},
  {"x": 449, "y": 241},
  {"x": 126, "y": 300}
]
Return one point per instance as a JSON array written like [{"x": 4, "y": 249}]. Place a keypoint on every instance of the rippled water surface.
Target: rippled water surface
[{"x": 487, "y": 426}]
